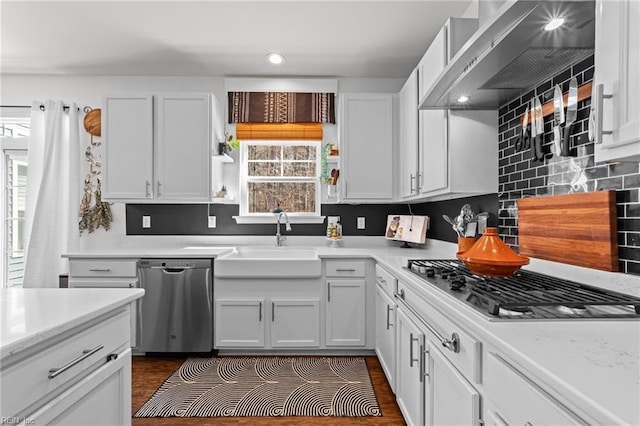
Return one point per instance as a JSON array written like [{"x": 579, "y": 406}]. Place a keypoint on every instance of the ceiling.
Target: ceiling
[{"x": 343, "y": 38}]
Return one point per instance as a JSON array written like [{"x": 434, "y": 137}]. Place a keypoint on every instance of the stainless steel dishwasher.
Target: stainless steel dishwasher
[{"x": 176, "y": 312}]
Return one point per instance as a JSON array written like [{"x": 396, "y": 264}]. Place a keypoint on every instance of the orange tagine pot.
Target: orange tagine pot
[{"x": 490, "y": 256}]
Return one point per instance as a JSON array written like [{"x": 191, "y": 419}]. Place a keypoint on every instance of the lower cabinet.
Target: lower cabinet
[
  {"x": 345, "y": 312},
  {"x": 409, "y": 368},
  {"x": 386, "y": 334},
  {"x": 449, "y": 398},
  {"x": 289, "y": 323}
]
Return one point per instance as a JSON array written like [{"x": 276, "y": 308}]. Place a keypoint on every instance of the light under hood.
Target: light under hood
[{"x": 510, "y": 54}]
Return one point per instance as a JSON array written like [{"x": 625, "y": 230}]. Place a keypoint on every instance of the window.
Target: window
[
  {"x": 280, "y": 172},
  {"x": 14, "y": 134}
]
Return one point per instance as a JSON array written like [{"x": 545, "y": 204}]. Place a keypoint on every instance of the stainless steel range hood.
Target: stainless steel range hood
[{"x": 510, "y": 54}]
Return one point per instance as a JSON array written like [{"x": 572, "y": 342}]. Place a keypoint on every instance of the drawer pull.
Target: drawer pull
[
  {"x": 389, "y": 309},
  {"x": 411, "y": 358},
  {"x": 345, "y": 270},
  {"x": 273, "y": 311},
  {"x": 100, "y": 269},
  {"x": 260, "y": 312},
  {"x": 55, "y": 372}
]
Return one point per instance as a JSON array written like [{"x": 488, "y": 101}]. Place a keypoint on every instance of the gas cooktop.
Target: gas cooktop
[{"x": 526, "y": 294}]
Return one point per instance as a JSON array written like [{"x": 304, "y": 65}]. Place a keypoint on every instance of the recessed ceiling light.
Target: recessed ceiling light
[
  {"x": 275, "y": 58},
  {"x": 553, "y": 24},
  {"x": 462, "y": 99}
]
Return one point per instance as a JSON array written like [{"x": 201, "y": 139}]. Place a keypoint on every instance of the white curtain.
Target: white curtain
[{"x": 53, "y": 192}]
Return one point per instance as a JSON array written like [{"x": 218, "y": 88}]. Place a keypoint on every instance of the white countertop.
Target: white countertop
[
  {"x": 30, "y": 316},
  {"x": 597, "y": 360}
]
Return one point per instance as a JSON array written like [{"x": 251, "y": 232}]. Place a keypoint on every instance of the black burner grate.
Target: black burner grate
[{"x": 526, "y": 290}]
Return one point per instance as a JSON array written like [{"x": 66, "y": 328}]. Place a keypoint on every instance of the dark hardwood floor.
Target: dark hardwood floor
[{"x": 149, "y": 373}]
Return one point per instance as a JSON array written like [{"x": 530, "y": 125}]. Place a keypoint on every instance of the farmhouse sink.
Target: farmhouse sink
[{"x": 265, "y": 262}]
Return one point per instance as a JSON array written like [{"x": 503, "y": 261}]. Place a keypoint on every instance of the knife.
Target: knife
[
  {"x": 523, "y": 139},
  {"x": 540, "y": 130},
  {"x": 558, "y": 120},
  {"x": 534, "y": 128},
  {"x": 572, "y": 111}
]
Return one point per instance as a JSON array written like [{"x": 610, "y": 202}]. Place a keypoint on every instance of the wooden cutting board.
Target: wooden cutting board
[{"x": 578, "y": 229}]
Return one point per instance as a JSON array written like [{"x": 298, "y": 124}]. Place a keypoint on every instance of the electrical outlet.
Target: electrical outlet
[
  {"x": 146, "y": 221},
  {"x": 212, "y": 222},
  {"x": 361, "y": 223}
]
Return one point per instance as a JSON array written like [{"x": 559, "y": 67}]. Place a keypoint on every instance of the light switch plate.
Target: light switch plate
[
  {"x": 361, "y": 223},
  {"x": 212, "y": 222},
  {"x": 146, "y": 221}
]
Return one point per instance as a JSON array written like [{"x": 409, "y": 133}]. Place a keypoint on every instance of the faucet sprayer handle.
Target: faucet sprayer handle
[{"x": 288, "y": 226}]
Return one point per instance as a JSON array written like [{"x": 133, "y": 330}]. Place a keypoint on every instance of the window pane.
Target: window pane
[
  {"x": 14, "y": 128},
  {"x": 264, "y": 152},
  {"x": 16, "y": 178},
  {"x": 300, "y": 169},
  {"x": 265, "y": 169},
  {"x": 300, "y": 152},
  {"x": 292, "y": 196}
]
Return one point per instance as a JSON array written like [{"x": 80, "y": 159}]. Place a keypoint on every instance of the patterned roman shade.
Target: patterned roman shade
[{"x": 281, "y": 107}]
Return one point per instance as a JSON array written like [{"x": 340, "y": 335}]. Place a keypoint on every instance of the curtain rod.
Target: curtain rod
[{"x": 64, "y": 107}]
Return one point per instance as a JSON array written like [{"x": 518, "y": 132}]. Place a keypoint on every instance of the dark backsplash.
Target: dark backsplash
[
  {"x": 520, "y": 176},
  {"x": 191, "y": 219}
]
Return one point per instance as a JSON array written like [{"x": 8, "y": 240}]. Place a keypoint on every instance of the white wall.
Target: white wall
[{"x": 89, "y": 91}]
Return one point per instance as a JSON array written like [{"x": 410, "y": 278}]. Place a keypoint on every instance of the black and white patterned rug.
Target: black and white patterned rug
[{"x": 265, "y": 386}]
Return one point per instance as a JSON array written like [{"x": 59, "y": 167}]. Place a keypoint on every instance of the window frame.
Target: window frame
[{"x": 244, "y": 179}]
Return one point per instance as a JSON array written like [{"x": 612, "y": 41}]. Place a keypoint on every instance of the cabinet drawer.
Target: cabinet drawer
[
  {"x": 102, "y": 268},
  {"x": 348, "y": 268},
  {"x": 468, "y": 359},
  {"x": 27, "y": 381},
  {"x": 386, "y": 281},
  {"x": 519, "y": 401}
]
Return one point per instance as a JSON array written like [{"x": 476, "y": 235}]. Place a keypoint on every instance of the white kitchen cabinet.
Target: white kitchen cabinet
[
  {"x": 345, "y": 312},
  {"x": 617, "y": 66},
  {"x": 107, "y": 273},
  {"x": 458, "y": 153},
  {"x": 386, "y": 334},
  {"x": 532, "y": 405},
  {"x": 408, "y": 136},
  {"x": 102, "y": 398},
  {"x": 240, "y": 323},
  {"x": 295, "y": 323},
  {"x": 157, "y": 147},
  {"x": 409, "y": 368},
  {"x": 449, "y": 398},
  {"x": 366, "y": 146},
  {"x": 451, "y": 37}
]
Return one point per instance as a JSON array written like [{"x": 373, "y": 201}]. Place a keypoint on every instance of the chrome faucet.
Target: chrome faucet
[{"x": 279, "y": 237}]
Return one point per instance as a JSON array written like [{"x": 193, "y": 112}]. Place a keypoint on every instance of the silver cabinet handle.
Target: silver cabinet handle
[
  {"x": 159, "y": 185},
  {"x": 600, "y": 96},
  {"x": 421, "y": 365},
  {"x": 411, "y": 358},
  {"x": 146, "y": 190},
  {"x": 412, "y": 178},
  {"x": 345, "y": 270},
  {"x": 55, "y": 372},
  {"x": 425, "y": 353},
  {"x": 381, "y": 280},
  {"x": 328, "y": 292},
  {"x": 389, "y": 309},
  {"x": 260, "y": 312},
  {"x": 100, "y": 269},
  {"x": 420, "y": 182},
  {"x": 273, "y": 311}
]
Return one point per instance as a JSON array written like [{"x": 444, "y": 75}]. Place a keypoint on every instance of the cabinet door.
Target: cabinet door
[
  {"x": 434, "y": 161},
  {"x": 366, "y": 143},
  {"x": 127, "y": 141},
  {"x": 617, "y": 66},
  {"x": 408, "y": 136},
  {"x": 433, "y": 62},
  {"x": 239, "y": 323},
  {"x": 409, "y": 379},
  {"x": 449, "y": 397},
  {"x": 295, "y": 323},
  {"x": 386, "y": 334},
  {"x": 345, "y": 325},
  {"x": 102, "y": 398},
  {"x": 183, "y": 151}
]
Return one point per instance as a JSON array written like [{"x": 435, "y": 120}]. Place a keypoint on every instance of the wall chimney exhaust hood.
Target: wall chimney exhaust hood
[{"x": 511, "y": 53}]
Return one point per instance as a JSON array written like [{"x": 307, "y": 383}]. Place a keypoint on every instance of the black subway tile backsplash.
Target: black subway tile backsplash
[{"x": 520, "y": 176}]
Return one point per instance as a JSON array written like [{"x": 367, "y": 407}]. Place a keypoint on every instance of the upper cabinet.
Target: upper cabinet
[
  {"x": 157, "y": 147},
  {"x": 450, "y": 38},
  {"x": 408, "y": 136},
  {"x": 617, "y": 67},
  {"x": 366, "y": 144}
]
